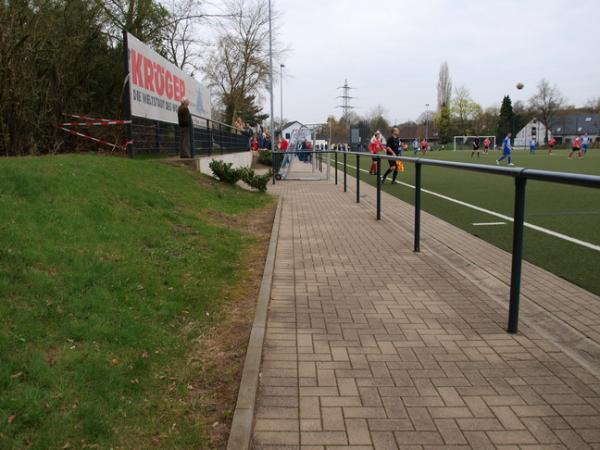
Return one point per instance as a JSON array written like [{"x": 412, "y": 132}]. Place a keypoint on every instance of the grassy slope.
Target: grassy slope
[
  {"x": 107, "y": 268},
  {"x": 573, "y": 211}
]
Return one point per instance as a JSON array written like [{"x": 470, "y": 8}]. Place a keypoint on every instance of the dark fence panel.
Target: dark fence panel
[{"x": 151, "y": 137}]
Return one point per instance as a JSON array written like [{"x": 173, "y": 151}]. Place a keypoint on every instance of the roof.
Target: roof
[
  {"x": 289, "y": 124},
  {"x": 575, "y": 123}
]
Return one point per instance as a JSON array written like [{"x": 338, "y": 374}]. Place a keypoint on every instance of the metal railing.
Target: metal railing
[
  {"x": 520, "y": 174},
  {"x": 207, "y": 137}
]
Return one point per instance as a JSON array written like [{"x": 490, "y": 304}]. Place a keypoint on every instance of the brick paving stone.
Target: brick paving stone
[{"x": 361, "y": 355}]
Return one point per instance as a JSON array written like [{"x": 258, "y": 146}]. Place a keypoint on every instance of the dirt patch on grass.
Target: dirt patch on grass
[{"x": 220, "y": 351}]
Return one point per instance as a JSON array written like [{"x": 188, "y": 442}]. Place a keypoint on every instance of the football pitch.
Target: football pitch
[{"x": 558, "y": 209}]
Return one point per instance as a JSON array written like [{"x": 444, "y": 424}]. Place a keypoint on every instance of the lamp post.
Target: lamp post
[
  {"x": 427, "y": 122},
  {"x": 271, "y": 78},
  {"x": 281, "y": 66}
]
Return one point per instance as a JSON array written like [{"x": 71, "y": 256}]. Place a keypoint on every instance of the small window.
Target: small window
[
  {"x": 588, "y": 119},
  {"x": 558, "y": 130},
  {"x": 579, "y": 128},
  {"x": 287, "y": 135}
]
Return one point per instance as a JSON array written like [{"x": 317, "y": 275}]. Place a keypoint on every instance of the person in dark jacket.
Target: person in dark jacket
[{"x": 185, "y": 122}]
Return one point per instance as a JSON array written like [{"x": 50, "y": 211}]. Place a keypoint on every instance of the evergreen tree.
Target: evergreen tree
[
  {"x": 506, "y": 121},
  {"x": 444, "y": 125}
]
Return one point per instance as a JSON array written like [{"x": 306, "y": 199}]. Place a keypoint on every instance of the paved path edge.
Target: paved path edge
[{"x": 241, "y": 427}]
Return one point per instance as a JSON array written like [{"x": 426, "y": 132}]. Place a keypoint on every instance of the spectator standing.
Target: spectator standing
[{"x": 184, "y": 118}]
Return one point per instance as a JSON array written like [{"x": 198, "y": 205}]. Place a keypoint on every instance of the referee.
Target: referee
[{"x": 393, "y": 148}]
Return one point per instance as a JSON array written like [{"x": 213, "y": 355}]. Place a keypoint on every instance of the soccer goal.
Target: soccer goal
[{"x": 466, "y": 142}]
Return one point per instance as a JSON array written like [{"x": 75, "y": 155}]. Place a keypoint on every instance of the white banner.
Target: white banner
[{"x": 156, "y": 86}]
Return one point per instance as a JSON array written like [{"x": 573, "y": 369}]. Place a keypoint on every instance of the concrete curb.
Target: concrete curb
[{"x": 243, "y": 417}]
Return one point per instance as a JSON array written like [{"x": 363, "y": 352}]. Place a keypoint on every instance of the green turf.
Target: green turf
[
  {"x": 574, "y": 211},
  {"x": 108, "y": 269}
]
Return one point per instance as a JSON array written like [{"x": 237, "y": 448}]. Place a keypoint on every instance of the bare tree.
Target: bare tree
[
  {"x": 444, "y": 86},
  {"x": 464, "y": 109},
  {"x": 546, "y": 103},
  {"x": 238, "y": 65}
]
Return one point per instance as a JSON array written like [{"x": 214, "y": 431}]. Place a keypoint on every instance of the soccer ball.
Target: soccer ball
[{"x": 520, "y": 85}]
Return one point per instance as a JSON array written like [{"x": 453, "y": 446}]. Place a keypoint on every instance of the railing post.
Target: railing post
[
  {"x": 357, "y": 178},
  {"x": 273, "y": 165},
  {"x": 345, "y": 171},
  {"x": 517, "y": 254},
  {"x": 378, "y": 188},
  {"x": 336, "y": 166},
  {"x": 417, "y": 245}
]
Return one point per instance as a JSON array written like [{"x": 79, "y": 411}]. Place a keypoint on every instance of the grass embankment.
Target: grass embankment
[
  {"x": 114, "y": 278},
  {"x": 570, "y": 210}
]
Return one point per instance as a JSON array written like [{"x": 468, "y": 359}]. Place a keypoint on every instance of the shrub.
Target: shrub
[
  {"x": 256, "y": 181},
  {"x": 265, "y": 157},
  {"x": 224, "y": 172}
]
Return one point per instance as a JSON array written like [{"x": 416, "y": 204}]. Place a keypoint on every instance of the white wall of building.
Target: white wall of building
[{"x": 533, "y": 129}]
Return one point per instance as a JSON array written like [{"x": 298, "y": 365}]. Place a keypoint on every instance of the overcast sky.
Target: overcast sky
[{"x": 391, "y": 51}]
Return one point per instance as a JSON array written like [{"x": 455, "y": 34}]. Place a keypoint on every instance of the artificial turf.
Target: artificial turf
[{"x": 570, "y": 210}]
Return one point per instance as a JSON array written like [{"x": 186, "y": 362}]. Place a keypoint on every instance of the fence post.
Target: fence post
[
  {"x": 345, "y": 171},
  {"x": 417, "y": 245},
  {"x": 157, "y": 136},
  {"x": 336, "y": 165},
  {"x": 517, "y": 254},
  {"x": 378, "y": 188},
  {"x": 192, "y": 153},
  {"x": 210, "y": 137},
  {"x": 357, "y": 178}
]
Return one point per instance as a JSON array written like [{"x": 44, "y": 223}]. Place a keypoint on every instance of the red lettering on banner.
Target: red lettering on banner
[
  {"x": 169, "y": 85},
  {"x": 148, "y": 79},
  {"x": 135, "y": 60},
  {"x": 176, "y": 94},
  {"x": 159, "y": 79},
  {"x": 152, "y": 76},
  {"x": 182, "y": 88}
]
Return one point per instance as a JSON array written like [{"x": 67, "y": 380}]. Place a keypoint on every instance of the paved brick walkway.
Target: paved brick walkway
[{"x": 370, "y": 346}]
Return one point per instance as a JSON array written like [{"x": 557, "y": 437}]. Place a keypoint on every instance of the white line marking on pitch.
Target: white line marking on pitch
[
  {"x": 500, "y": 216},
  {"x": 482, "y": 224}
]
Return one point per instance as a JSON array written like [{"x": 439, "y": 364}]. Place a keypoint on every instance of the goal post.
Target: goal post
[{"x": 465, "y": 142}]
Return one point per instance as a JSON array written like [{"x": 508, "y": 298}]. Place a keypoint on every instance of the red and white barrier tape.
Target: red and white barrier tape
[
  {"x": 91, "y": 138},
  {"x": 95, "y": 121},
  {"x": 87, "y": 124}
]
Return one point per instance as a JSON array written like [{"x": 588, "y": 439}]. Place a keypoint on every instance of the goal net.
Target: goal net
[{"x": 466, "y": 142}]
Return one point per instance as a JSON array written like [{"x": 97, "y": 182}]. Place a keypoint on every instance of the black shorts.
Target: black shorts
[
  {"x": 476, "y": 147},
  {"x": 392, "y": 163}
]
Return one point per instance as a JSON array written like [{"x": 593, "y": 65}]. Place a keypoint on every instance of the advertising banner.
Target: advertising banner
[{"x": 156, "y": 86}]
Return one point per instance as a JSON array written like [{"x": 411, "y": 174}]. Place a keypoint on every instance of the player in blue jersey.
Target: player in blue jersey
[
  {"x": 415, "y": 145},
  {"x": 506, "y": 150},
  {"x": 585, "y": 143}
]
